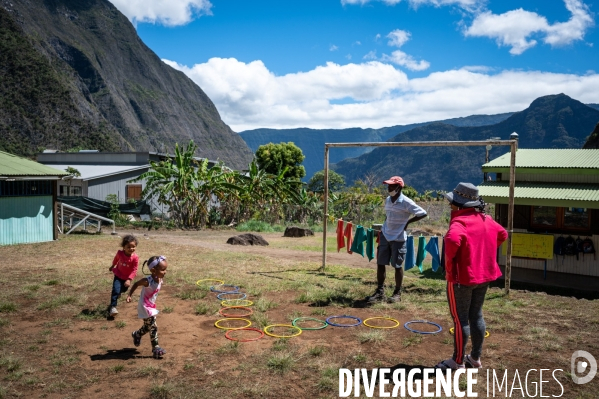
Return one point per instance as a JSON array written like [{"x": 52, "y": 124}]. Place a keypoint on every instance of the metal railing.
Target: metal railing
[{"x": 68, "y": 214}]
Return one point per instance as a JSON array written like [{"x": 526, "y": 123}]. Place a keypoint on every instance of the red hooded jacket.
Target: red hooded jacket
[{"x": 471, "y": 247}]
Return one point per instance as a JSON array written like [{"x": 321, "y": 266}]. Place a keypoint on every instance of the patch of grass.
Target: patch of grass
[
  {"x": 294, "y": 315},
  {"x": 162, "y": 391},
  {"x": 4, "y": 322},
  {"x": 280, "y": 344},
  {"x": 188, "y": 366},
  {"x": 57, "y": 301},
  {"x": 64, "y": 323},
  {"x": 316, "y": 350},
  {"x": 12, "y": 364},
  {"x": 148, "y": 371},
  {"x": 193, "y": 294},
  {"x": 118, "y": 368},
  {"x": 376, "y": 337},
  {"x": 96, "y": 313},
  {"x": 411, "y": 340},
  {"x": 281, "y": 362},
  {"x": 261, "y": 319},
  {"x": 319, "y": 312},
  {"x": 360, "y": 357},
  {"x": 168, "y": 309},
  {"x": 231, "y": 347},
  {"x": 51, "y": 282},
  {"x": 32, "y": 287},
  {"x": 204, "y": 308},
  {"x": 8, "y": 307},
  {"x": 263, "y": 304},
  {"x": 257, "y": 226},
  {"x": 328, "y": 379},
  {"x": 120, "y": 324}
]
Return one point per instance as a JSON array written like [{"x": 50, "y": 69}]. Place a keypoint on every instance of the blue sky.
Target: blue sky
[{"x": 372, "y": 63}]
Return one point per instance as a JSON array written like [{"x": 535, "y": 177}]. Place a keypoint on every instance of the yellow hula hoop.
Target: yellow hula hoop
[
  {"x": 209, "y": 279},
  {"x": 282, "y": 325},
  {"x": 451, "y": 331},
  {"x": 232, "y": 328},
  {"x": 239, "y": 302},
  {"x": 381, "y": 318}
]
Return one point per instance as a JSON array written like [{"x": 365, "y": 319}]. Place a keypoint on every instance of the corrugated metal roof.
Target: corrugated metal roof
[
  {"x": 12, "y": 165},
  {"x": 89, "y": 172},
  {"x": 549, "y": 158},
  {"x": 558, "y": 191}
]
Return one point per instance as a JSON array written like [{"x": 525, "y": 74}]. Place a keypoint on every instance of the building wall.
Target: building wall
[
  {"x": 26, "y": 219},
  {"x": 586, "y": 265},
  {"x": 115, "y": 184}
]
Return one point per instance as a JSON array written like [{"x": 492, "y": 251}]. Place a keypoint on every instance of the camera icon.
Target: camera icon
[{"x": 579, "y": 367}]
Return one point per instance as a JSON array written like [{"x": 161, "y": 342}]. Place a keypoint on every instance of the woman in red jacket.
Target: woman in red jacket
[{"x": 470, "y": 265}]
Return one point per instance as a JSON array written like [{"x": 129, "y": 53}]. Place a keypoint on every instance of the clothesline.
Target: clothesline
[{"x": 355, "y": 244}]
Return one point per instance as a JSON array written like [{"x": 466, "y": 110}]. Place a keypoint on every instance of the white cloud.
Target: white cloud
[
  {"x": 348, "y": 56},
  {"x": 402, "y": 59},
  {"x": 398, "y": 37},
  {"x": 169, "y": 13},
  {"x": 333, "y": 48},
  {"x": 465, "y": 4},
  {"x": 249, "y": 96},
  {"x": 362, "y": 2},
  {"x": 371, "y": 55},
  {"x": 517, "y": 28}
]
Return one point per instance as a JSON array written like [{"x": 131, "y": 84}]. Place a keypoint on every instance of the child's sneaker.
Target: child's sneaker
[
  {"x": 396, "y": 297},
  {"x": 470, "y": 362},
  {"x": 113, "y": 311},
  {"x": 136, "y": 338},
  {"x": 449, "y": 364},
  {"x": 158, "y": 352}
]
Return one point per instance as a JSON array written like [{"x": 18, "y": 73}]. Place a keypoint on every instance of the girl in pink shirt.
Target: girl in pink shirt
[
  {"x": 124, "y": 267},
  {"x": 146, "y": 307}
]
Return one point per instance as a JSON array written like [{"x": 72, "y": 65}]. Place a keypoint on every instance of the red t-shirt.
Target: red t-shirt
[{"x": 125, "y": 267}]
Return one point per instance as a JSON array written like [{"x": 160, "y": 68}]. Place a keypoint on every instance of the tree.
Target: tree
[
  {"x": 316, "y": 183},
  {"x": 274, "y": 158}
]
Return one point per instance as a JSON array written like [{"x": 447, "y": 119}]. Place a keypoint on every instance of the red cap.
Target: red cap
[{"x": 395, "y": 180}]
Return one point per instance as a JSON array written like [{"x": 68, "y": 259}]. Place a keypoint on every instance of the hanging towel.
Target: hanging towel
[
  {"x": 370, "y": 244},
  {"x": 358, "y": 245},
  {"x": 410, "y": 259},
  {"x": 347, "y": 233},
  {"x": 433, "y": 248},
  {"x": 421, "y": 253},
  {"x": 340, "y": 238}
]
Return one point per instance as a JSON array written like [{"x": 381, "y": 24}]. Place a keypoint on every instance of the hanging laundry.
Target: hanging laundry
[
  {"x": 357, "y": 245},
  {"x": 410, "y": 259},
  {"x": 433, "y": 248},
  {"x": 347, "y": 233},
  {"x": 421, "y": 253},
  {"x": 370, "y": 244},
  {"x": 340, "y": 238}
]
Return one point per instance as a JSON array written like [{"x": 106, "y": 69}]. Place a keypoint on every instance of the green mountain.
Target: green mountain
[
  {"x": 75, "y": 74},
  {"x": 312, "y": 141},
  {"x": 555, "y": 121},
  {"x": 593, "y": 139}
]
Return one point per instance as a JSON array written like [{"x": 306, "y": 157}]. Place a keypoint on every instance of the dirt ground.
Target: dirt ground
[{"x": 57, "y": 343}]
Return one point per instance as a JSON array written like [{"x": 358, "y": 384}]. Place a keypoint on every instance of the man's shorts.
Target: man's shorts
[{"x": 394, "y": 251}]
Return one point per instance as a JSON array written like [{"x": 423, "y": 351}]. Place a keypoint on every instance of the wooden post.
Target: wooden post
[
  {"x": 510, "y": 213},
  {"x": 326, "y": 206}
]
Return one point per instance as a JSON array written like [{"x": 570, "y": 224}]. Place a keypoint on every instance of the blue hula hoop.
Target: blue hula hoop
[
  {"x": 423, "y": 332},
  {"x": 229, "y": 293},
  {"x": 358, "y": 321},
  {"x": 234, "y": 291}
]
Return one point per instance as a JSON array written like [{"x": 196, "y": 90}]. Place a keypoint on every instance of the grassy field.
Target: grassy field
[{"x": 57, "y": 342}]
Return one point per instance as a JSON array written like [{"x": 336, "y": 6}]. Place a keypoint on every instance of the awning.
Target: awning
[{"x": 542, "y": 194}]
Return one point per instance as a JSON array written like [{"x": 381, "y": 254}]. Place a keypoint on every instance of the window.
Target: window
[
  {"x": 65, "y": 191},
  {"x": 548, "y": 218},
  {"x": 134, "y": 192}
]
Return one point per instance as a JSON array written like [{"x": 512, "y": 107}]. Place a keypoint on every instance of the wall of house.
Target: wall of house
[
  {"x": 115, "y": 184},
  {"x": 26, "y": 219}
]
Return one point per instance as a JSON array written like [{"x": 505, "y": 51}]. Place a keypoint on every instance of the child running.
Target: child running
[
  {"x": 146, "y": 307},
  {"x": 124, "y": 267}
]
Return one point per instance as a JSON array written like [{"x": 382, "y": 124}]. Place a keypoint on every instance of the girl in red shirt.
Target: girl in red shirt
[
  {"x": 124, "y": 267},
  {"x": 471, "y": 247}
]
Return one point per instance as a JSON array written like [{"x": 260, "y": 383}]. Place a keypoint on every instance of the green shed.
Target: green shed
[{"x": 27, "y": 200}]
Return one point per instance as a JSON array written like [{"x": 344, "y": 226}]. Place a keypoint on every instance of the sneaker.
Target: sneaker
[
  {"x": 471, "y": 363},
  {"x": 113, "y": 311},
  {"x": 136, "y": 338},
  {"x": 158, "y": 352},
  {"x": 396, "y": 297},
  {"x": 449, "y": 364},
  {"x": 378, "y": 296}
]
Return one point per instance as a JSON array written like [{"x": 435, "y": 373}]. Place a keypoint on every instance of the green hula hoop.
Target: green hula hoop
[
  {"x": 282, "y": 325},
  {"x": 300, "y": 319},
  {"x": 381, "y": 318}
]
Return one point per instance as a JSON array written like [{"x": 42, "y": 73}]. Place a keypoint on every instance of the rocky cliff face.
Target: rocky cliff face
[
  {"x": 74, "y": 73},
  {"x": 593, "y": 139}
]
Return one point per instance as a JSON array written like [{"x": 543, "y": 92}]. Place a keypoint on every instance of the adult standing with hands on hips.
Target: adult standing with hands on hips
[
  {"x": 471, "y": 247},
  {"x": 392, "y": 246}
]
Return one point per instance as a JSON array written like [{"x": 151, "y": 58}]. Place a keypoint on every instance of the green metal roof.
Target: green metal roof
[
  {"x": 543, "y": 194},
  {"x": 12, "y": 165},
  {"x": 555, "y": 161}
]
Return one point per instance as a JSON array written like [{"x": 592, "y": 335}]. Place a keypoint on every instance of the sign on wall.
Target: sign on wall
[{"x": 536, "y": 246}]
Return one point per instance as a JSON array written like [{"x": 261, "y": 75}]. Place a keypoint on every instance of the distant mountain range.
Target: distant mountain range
[
  {"x": 555, "y": 121},
  {"x": 75, "y": 74},
  {"x": 312, "y": 141}
]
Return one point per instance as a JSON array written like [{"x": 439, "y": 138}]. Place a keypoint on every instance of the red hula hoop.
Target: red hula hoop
[{"x": 244, "y": 329}]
